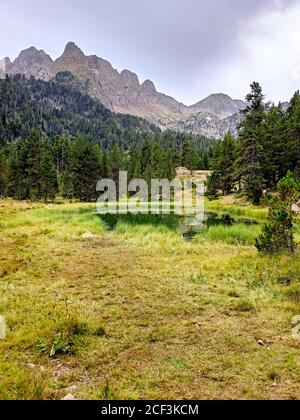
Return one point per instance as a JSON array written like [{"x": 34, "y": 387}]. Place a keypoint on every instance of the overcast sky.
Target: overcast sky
[{"x": 189, "y": 48}]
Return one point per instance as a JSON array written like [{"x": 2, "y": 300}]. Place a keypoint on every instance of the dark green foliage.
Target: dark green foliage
[
  {"x": 225, "y": 155},
  {"x": 188, "y": 157},
  {"x": 278, "y": 233},
  {"x": 293, "y": 136},
  {"x": 267, "y": 148},
  {"x": 4, "y": 174},
  {"x": 85, "y": 167},
  {"x": 59, "y": 108},
  {"x": 58, "y": 140},
  {"x": 67, "y": 185},
  {"x": 47, "y": 174},
  {"x": 249, "y": 165},
  {"x": 33, "y": 173},
  {"x": 213, "y": 184},
  {"x": 151, "y": 161},
  {"x": 41, "y": 169}
]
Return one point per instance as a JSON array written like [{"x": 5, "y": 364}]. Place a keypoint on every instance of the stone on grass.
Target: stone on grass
[
  {"x": 88, "y": 235},
  {"x": 31, "y": 366}
]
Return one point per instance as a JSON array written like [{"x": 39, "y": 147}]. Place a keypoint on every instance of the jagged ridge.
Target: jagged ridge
[{"x": 122, "y": 92}]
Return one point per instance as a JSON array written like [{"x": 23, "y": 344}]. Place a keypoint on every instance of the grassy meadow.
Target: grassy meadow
[{"x": 140, "y": 311}]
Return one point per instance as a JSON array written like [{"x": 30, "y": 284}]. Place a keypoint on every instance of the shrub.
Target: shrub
[{"x": 278, "y": 233}]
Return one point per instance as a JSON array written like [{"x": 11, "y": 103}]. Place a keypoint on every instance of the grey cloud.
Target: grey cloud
[{"x": 173, "y": 42}]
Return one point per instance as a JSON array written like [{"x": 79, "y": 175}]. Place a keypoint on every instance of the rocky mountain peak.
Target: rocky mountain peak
[
  {"x": 130, "y": 79},
  {"x": 218, "y": 104},
  {"x": 32, "y": 62},
  {"x": 148, "y": 87},
  {"x": 72, "y": 50},
  {"x": 32, "y": 55},
  {"x": 122, "y": 92}
]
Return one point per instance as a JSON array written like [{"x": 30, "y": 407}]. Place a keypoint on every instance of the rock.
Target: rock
[
  {"x": 31, "y": 366},
  {"x": 88, "y": 235},
  {"x": 69, "y": 397},
  {"x": 71, "y": 389},
  {"x": 32, "y": 62},
  {"x": 201, "y": 123}
]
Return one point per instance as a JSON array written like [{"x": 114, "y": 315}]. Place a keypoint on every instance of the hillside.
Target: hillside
[{"x": 59, "y": 107}]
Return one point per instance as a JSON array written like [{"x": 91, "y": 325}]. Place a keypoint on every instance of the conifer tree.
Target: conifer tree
[
  {"x": 48, "y": 185},
  {"x": 134, "y": 165},
  {"x": 86, "y": 169},
  {"x": 249, "y": 165},
  {"x": 275, "y": 142},
  {"x": 278, "y": 233},
  {"x": 294, "y": 132},
  {"x": 213, "y": 186},
  {"x": 189, "y": 158},
  {"x": 25, "y": 164},
  {"x": 67, "y": 185},
  {"x": 223, "y": 164}
]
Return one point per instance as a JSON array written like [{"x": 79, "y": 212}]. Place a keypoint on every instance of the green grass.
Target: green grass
[
  {"x": 238, "y": 234},
  {"x": 140, "y": 310},
  {"x": 248, "y": 212}
]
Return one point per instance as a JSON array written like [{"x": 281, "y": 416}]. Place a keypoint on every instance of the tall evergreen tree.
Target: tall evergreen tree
[
  {"x": 249, "y": 165},
  {"x": 25, "y": 164},
  {"x": 223, "y": 164},
  {"x": 86, "y": 169},
  {"x": 275, "y": 142},
  {"x": 134, "y": 164},
  {"x": 294, "y": 132},
  {"x": 48, "y": 185},
  {"x": 189, "y": 158}
]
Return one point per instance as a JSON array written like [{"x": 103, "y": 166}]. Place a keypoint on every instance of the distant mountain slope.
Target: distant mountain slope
[
  {"x": 203, "y": 123},
  {"x": 59, "y": 107},
  {"x": 219, "y": 105},
  {"x": 122, "y": 91}
]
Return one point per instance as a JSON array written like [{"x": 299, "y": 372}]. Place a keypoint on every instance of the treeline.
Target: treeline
[
  {"x": 54, "y": 139},
  {"x": 38, "y": 168},
  {"x": 267, "y": 148},
  {"x": 60, "y": 108}
]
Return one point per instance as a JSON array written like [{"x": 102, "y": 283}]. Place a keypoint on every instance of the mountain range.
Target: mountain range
[{"x": 122, "y": 92}]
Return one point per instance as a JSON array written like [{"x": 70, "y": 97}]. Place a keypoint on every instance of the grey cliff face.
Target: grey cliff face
[
  {"x": 32, "y": 62},
  {"x": 5, "y": 66},
  {"x": 202, "y": 123},
  {"x": 122, "y": 92}
]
